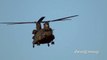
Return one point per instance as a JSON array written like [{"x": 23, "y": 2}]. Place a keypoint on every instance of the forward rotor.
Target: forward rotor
[{"x": 40, "y": 20}]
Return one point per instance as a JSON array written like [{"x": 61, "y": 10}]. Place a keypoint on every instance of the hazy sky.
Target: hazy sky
[{"x": 87, "y": 32}]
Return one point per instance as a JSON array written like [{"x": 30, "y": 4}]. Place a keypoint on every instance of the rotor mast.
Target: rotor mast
[{"x": 38, "y": 23}]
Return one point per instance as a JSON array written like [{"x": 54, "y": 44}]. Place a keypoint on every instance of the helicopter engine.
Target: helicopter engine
[{"x": 47, "y": 29}]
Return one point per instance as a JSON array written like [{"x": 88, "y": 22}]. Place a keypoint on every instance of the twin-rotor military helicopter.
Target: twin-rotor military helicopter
[{"x": 42, "y": 35}]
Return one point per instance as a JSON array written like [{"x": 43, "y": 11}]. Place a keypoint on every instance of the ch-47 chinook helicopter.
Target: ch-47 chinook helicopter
[{"x": 42, "y": 35}]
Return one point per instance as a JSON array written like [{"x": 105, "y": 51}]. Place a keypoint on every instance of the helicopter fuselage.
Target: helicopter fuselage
[{"x": 43, "y": 35}]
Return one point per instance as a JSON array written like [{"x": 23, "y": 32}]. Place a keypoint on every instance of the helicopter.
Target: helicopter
[{"x": 42, "y": 35}]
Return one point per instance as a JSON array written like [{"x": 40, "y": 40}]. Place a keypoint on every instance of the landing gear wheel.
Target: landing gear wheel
[
  {"x": 52, "y": 42},
  {"x": 33, "y": 45},
  {"x": 48, "y": 45}
]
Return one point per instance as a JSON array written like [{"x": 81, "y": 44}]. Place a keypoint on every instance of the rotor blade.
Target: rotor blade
[
  {"x": 61, "y": 19},
  {"x": 12, "y": 23},
  {"x": 40, "y": 20}
]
